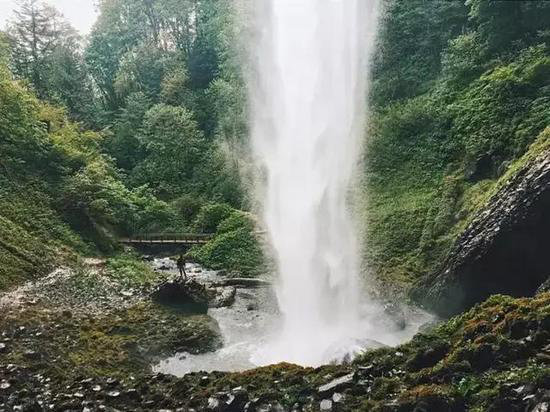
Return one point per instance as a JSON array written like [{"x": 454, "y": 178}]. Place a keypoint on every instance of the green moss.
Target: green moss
[
  {"x": 128, "y": 271},
  {"x": 123, "y": 343}
]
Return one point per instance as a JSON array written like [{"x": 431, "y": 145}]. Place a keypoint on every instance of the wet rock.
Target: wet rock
[
  {"x": 111, "y": 381},
  {"x": 190, "y": 296},
  {"x": 545, "y": 287},
  {"x": 270, "y": 407},
  {"x": 132, "y": 394},
  {"x": 239, "y": 400},
  {"x": 221, "y": 297},
  {"x": 542, "y": 407},
  {"x": 234, "y": 401},
  {"x": 525, "y": 390},
  {"x": 483, "y": 357},
  {"x": 518, "y": 329},
  {"x": 243, "y": 282},
  {"x": 337, "y": 384},
  {"x": 503, "y": 250},
  {"x": 214, "y": 404},
  {"x": 428, "y": 357},
  {"x": 32, "y": 355}
]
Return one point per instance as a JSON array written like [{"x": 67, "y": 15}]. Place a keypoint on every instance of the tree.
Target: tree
[
  {"x": 124, "y": 143},
  {"x": 412, "y": 36},
  {"x": 500, "y": 23},
  {"x": 35, "y": 33},
  {"x": 174, "y": 147},
  {"x": 46, "y": 51}
]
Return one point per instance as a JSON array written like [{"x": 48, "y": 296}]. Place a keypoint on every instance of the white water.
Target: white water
[{"x": 308, "y": 108}]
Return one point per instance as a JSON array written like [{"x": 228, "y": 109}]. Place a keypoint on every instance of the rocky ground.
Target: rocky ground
[
  {"x": 85, "y": 342},
  {"x": 96, "y": 320}
]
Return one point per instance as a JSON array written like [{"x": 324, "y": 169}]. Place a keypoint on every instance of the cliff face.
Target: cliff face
[{"x": 504, "y": 250}]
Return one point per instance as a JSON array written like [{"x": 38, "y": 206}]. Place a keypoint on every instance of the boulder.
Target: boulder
[
  {"x": 502, "y": 251},
  {"x": 189, "y": 296}
]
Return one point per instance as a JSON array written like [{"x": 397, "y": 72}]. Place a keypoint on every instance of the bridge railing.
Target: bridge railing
[{"x": 169, "y": 238}]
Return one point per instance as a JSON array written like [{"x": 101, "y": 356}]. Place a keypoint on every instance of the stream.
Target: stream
[
  {"x": 251, "y": 323},
  {"x": 244, "y": 327}
]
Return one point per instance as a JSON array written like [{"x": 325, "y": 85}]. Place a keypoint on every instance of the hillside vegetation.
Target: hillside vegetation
[
  {"x": 461, "y": 91},
  {"x": 127, "y": 132}
]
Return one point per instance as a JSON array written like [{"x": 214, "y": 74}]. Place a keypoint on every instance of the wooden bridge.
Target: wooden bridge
[{"x": 184, "y": 239}]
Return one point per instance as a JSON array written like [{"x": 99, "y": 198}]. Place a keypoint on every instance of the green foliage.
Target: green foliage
[
  {"x": 210, "y": 216},
  {"x": 234, "y": 247},
  {"x": 168, "y": 95},
  {"x": 173, "y": 147},
  {"x": 412, "y": 36},
  {"x": 187, "y": 207},
  {"x": 46, "y": 52},
  {"x": 124, "y": 142},
  {"x": 130, "y": 272},
  {"x": 460, "y": 122}
]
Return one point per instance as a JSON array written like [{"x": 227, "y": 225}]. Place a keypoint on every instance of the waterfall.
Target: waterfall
[{"x": 309, "y": 109}]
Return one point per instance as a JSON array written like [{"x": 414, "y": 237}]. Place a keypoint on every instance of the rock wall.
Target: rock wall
[{"x": 505, "y": 250}]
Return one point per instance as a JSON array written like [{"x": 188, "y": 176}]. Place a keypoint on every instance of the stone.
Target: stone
[
  {"x": 542, "y": 407},
  {"x": 483, "y": 357},
  {"x": 337, "y": 397},
  {"x": 213, "y": 404},
  {"x": 5, "y": 385},
  {"x": 524, "y": 390},
  {"x": 3, "y": 348},
  {"x": 326, "y": 405},
  {"x": 428, "y": 357},
  {"x": 337, "y": 384},
  {"x": 30, "y": 354},
  {"x": 132, "y": 394},
  {"x": 190, "y": 296},
  {"x": 113, "y": 394}
]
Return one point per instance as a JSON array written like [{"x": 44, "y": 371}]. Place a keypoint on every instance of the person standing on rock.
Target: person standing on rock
[{"x": 181, "y": 266}]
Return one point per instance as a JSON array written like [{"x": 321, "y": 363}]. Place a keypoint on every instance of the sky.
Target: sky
[{"x": 80, "y": 13}]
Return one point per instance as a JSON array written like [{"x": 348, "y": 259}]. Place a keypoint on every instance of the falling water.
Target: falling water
[{"x": 308, "y": 101}]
